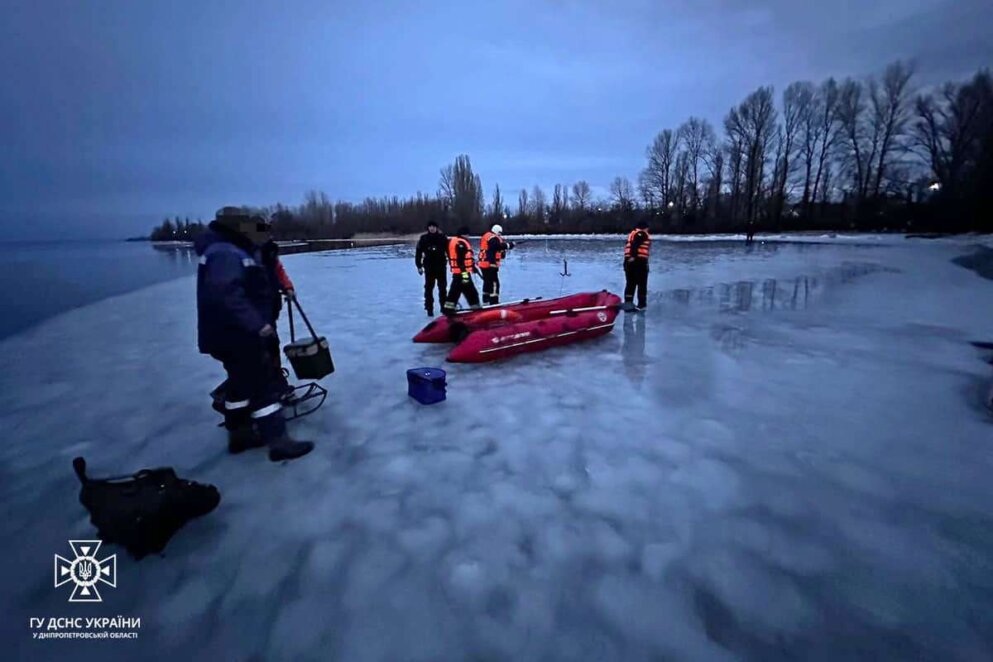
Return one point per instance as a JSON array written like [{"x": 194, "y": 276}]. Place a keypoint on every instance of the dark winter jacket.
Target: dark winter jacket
[
  {"x": 432, "y": 252},
  {"x": 236, "y": 294}
]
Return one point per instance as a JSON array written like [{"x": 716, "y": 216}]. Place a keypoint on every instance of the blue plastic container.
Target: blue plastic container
[{"x": 426, "y": 385}]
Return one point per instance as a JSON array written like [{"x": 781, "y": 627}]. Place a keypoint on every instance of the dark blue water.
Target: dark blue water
[{"x": 45, "y": 278}]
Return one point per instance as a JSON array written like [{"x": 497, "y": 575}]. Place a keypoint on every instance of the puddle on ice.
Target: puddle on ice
[{"x": 776, "y": 460}]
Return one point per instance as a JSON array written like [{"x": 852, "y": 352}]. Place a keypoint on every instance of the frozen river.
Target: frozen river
[{"x": 785, "y": 457}]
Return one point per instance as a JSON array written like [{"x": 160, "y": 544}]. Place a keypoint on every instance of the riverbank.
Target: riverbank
[{"x": 303, "y": 245}]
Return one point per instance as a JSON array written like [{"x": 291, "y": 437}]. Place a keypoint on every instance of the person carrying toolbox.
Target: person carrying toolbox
[
  {"x": 236, "y": 299},
  {"x": 461, "y": 263}
]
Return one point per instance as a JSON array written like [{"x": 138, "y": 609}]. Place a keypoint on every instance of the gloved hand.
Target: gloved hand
[
  {"x": 267, "y": 331},
  {"x": 510, "y": 245},
  {"x": 291, "y": 295},
  {"x": 465, "y": 275},
  {"x": 420, "y": 271}
]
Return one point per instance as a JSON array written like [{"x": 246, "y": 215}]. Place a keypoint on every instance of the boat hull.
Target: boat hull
[
  {"x": 502, "y": 341},
  {"x": 453, "y": 329}
]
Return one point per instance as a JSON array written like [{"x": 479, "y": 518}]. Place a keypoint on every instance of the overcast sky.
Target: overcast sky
[{"x": 115, "y": 113}]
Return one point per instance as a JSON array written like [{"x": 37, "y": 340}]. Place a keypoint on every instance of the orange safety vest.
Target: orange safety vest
[
  {"x": 643, "y": 248},
  {"x": 484, "y": 244},
  {"x": 453, "y": 256}
]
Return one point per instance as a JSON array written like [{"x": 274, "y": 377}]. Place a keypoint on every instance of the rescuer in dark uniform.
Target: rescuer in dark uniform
[
  {"x": 492, "y": 250},
  {"x": 636, "y": 252},
  {"x": 431, "y": 259},
  {"x": 461, "y": 263}
]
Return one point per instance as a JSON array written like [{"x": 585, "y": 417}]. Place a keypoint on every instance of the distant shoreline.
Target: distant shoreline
[{"x": 291, "y": 247}]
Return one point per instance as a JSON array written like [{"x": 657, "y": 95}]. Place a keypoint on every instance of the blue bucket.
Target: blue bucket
[{"x": 426, "y": 385}]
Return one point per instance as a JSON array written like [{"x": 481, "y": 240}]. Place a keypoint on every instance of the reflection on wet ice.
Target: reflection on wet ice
[{"x": 633, "y": 348}]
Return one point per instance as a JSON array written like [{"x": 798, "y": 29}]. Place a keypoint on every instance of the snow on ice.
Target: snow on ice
[{"x": 787, "y": 456}]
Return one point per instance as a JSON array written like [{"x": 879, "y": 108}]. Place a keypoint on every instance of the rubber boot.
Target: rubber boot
[
  {"x": 286, "y": 448},
  {"x": 281, "y": 445},
  {"x": 243, "y": 437}
]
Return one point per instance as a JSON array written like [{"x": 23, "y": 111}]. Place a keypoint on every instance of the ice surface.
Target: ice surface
[{"x": 787, "y": 456}]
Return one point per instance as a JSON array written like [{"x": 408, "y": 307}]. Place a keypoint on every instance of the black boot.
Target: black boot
[
  {"x": 286, "y": 448},
  {"x": 242, "y": 438}
]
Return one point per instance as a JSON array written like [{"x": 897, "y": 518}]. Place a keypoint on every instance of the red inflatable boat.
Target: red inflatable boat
[{"x": 497, "y": 332}]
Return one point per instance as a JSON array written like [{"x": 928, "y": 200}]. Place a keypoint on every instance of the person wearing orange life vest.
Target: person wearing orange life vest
[
  {"x": 492, "y": 250},
  {"x": 636, "y": 252},
  {"x": 462, "y": 266}
]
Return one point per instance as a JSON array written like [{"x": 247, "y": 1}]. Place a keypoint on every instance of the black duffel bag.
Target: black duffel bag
[{"x": 142, "y": 512}]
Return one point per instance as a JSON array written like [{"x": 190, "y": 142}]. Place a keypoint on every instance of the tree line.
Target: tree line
[{"x": 871, "y": 154}]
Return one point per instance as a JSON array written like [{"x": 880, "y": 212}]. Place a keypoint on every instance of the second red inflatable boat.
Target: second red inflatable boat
[{"x": 497, "y": 332}]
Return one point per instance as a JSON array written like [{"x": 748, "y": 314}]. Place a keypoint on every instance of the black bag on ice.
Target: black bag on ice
[{"x": 142, "y": 512}]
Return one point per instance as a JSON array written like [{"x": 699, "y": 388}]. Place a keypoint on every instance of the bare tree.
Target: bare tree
[
  {"x": 713, "y": 157},
  {"x": 622, "y": 193},
  {"x": 859, "y": 150},
  {"x": 523, "y": 207},
  {"x": 538, "y": 203},
  {"x": 462, "y": 190},
  {"x": 696, "y": 135},
  {"x": 560, "y": 196},
  {"x": 950, "y": 128},
  {"x": 496, "y": 207},
  {"x": 891, "y": 109},
  {"x": 446, "y": 186},
  {"x": 680, "y": 183},
  {"x": 581, "y": 194},
  {"x": 798, "y": 101},
  {"x": 734, "y": 148},
  {"x": 646, "y": 191},
  {"x": 828, "y": 133},
  {"x": 750, "y": 128},
  {"x": 661, "y": 156}
]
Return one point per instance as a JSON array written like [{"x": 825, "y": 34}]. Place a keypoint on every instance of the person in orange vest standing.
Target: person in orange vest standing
[
  {"x": 461, "y": 263},
  {"x": 492, "y": 250},
  {"x": 636, "y": 252}
]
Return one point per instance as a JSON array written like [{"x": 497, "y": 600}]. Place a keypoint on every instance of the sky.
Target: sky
[{"x": 116, "y": 113}]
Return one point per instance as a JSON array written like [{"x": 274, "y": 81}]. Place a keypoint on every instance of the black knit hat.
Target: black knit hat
[{"x": 431, "y": 224}]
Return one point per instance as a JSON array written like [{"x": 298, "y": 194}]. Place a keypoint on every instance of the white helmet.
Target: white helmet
[{"x": 497, "y": 228}]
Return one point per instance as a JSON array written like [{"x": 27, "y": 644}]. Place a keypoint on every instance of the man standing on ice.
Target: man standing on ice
[
  {"x": 492, "y": 249},
  {"x": 431, "y": 260},
  {"x": 462, "y": 265},
  {"x": 236, "y": 297},
  {"x": 636, "y": 252}
]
